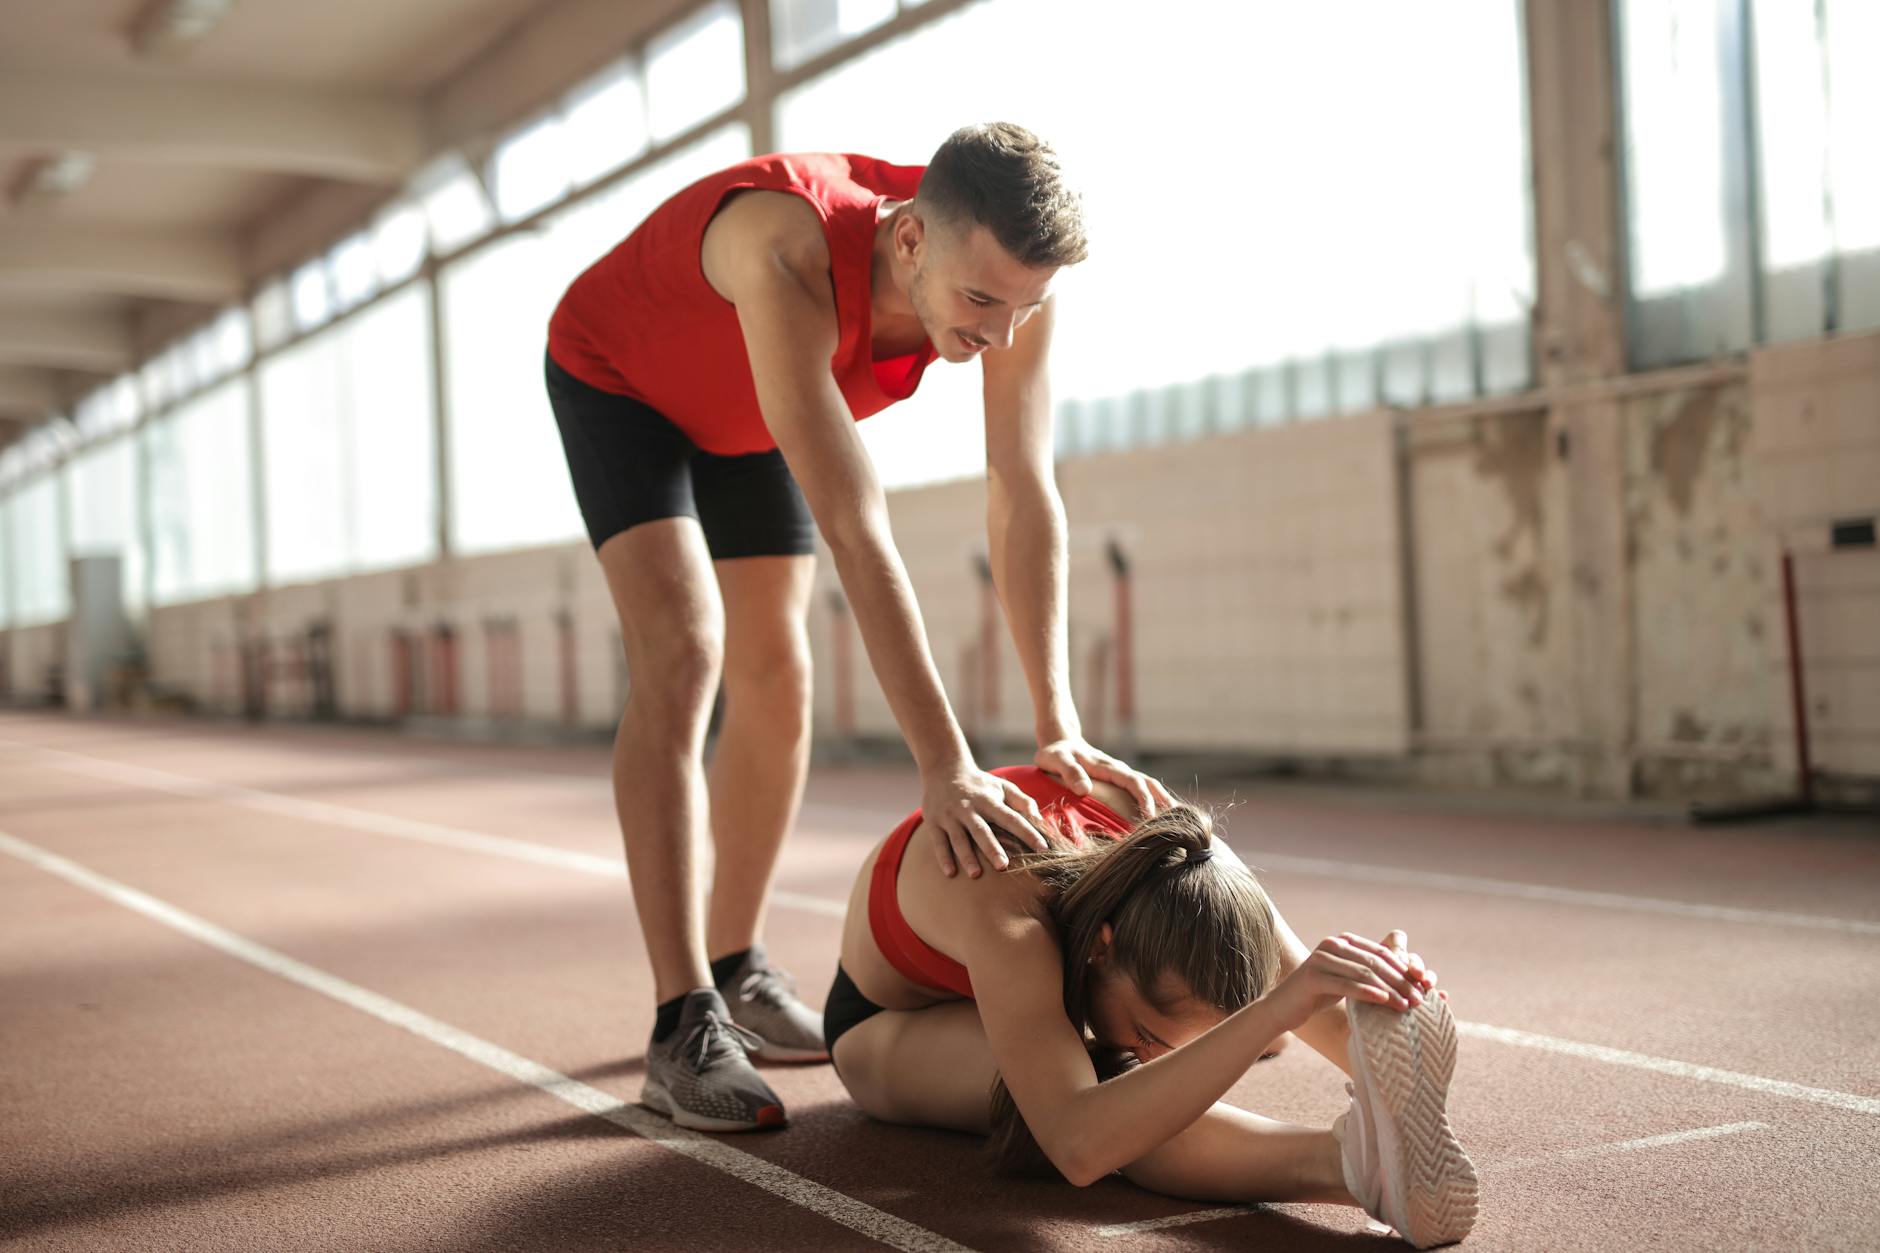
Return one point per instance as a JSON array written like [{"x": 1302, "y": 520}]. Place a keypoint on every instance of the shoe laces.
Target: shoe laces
[
  {"x": 768, "y": 985},
  {"x": 717, "y": 1039}
]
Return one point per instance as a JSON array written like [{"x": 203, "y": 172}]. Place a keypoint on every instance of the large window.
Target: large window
[
  {"x": 36, "y": 550},
  {"x": 101, "y": 487},
  {"x": 348, "y": 444},
  {"x": 531, "y": 170},
  {"x": 509, "y": 487},
  {"x": 1818, "y": 130},
  {"x": 1253, "y": 212},
  {"x": 391, "y": 447},
  {"x": 455, "y": 208},
  {"x": 603, "y": 123},
  {"x": 201, "y": 501},
  {"x": 1752, "y": 191},
  {"x": 303, "y": 488},
  {"x": 694, "y": 69},
  {"x": 109, "y": 409},
  {"x": 803, "y": 29},
  {"x": 6, "y": 559},
  {"x": 509, "y": 481}
]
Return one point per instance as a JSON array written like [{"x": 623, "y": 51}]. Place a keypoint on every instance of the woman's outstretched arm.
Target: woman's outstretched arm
[
  {"x": 1089, "y": 1129},
  {"x": 1328, "y": 1031}
]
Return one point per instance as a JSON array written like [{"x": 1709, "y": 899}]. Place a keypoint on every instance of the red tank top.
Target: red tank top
[
  {"x": 643, "y": 322},
  {"x": 919, "y": 962}
]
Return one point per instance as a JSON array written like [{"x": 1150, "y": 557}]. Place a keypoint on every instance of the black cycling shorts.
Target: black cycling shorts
[
  {"x": 844, "y": 1009},
  {"x": 632, "y": 465}
]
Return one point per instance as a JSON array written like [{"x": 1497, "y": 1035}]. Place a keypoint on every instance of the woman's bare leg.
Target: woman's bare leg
[
  {"x": 921, "y": 1067},
  {"x": 1231, "y": 1155},
  {"x": 933, "y": 1068}
]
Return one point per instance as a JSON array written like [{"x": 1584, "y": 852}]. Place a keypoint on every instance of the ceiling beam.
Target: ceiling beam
[
  {"x": 365, "y": 139},
  {"x": 72, "y": 341},
  {"x": 172, "y": 265},
  {"x": 27, "y": 392}
]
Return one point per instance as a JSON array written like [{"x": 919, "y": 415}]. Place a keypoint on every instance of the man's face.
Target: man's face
[{"x": 969, "y": 293}]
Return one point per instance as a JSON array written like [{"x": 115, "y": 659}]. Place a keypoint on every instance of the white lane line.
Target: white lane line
[
  {"x": 522, "y": 850},
  {"x": 1113, "y": 1230},
  {"x": 276, "y": 802},
  {"x": 379, "y": 824},
  {"x": 1562, "y": 896},
  {"x": 1623, "y": 1146},
  {"x": 1488, "y": 1168},
  {"x": 334, "y": 815},
  {"x": 792, "y": 1187},
  {"x": 1669, "y": 1066}
]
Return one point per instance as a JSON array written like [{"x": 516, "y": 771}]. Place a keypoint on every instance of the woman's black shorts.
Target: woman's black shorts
[
  {"x": 844, "y": 1008},
  {"x": 631, "y": 465}
]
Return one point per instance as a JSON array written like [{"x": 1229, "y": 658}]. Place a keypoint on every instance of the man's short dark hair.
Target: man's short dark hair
[{"x": 1008, "y": 180}]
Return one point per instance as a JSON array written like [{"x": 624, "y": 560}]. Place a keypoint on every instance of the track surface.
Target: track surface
[{"x": 290, "y": 988}]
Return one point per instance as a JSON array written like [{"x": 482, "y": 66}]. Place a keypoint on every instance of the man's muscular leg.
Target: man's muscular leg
[
  {"x": 757, "y": 774},
  {"x": 672, "y": 627},
  {"x": 762, "y": 754}
]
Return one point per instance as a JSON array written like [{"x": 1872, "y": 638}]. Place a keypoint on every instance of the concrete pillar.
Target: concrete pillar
[
  {"x": 1580, "y": 340},
  {"x": 257, "y": 470},
  {"x": 440, "y": 413}
]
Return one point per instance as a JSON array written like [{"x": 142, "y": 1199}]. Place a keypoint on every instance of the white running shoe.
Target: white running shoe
[{"x": 1402, "y": 1161}]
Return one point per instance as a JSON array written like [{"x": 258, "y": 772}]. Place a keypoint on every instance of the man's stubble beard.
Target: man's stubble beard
[{"x": 917, "y": 296}]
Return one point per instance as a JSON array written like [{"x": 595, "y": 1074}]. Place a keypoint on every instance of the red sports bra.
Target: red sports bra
[{"x": 918, "y": 961}]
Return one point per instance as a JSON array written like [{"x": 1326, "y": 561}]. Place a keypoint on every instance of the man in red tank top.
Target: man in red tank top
[{"x": 706, "y": 376}]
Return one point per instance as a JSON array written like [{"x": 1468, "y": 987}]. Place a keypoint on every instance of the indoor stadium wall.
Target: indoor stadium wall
[{"x": 1414, "y": 593}]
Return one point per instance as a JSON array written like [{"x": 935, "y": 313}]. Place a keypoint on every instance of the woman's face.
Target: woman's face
[{"x": 1123, "y": 1017}]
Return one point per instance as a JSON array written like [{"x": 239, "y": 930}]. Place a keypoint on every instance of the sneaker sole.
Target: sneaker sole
[
  {"x": 771, "y": 1052},
  {"x": 656, "y": 1098},
  {"x": 1408, "y": 1059}
]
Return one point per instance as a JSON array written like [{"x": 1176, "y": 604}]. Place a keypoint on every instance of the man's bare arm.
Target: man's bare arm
[
  {"x": 1027, "y": 538},
  {"x": 1025, "y": 526}
]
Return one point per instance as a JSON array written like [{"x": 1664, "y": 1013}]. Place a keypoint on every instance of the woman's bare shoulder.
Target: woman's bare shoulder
[
  {"x": 1116, "y": 800},
  {"x": 948, "y": 905}
]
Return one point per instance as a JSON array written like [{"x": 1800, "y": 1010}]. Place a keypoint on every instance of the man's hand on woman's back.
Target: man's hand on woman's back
[
  {"x": 1073, "y": 762},
  {"x": 963, "y": 805}
]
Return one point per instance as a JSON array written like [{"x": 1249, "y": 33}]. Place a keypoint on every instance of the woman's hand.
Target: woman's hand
[
  {"x": 1425, "y": 977},
  {"x": 1350, "y": 966},
  {"x": 963, "y": 805},
  {"x": 1074, "y": 763}
]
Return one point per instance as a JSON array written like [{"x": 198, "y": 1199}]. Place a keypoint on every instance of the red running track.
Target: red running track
[{"x": 393, "y": 952}]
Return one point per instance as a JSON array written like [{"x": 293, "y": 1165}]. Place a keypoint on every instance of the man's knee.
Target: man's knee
[
  {"x": 774, "y": 675},
  {"x": 677, "y": 669}
]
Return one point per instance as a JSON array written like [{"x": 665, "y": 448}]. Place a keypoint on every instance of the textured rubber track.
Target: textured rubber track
[{"x": 1409, "y": 1058}]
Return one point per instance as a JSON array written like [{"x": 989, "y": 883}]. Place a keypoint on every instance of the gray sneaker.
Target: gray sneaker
[
  {"x": 701, "y": 1075},
  {"x": 763, "y": 1002}
]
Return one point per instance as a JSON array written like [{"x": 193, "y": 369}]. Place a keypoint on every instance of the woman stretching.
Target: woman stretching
[{"x": 1089, "y": 1009}]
